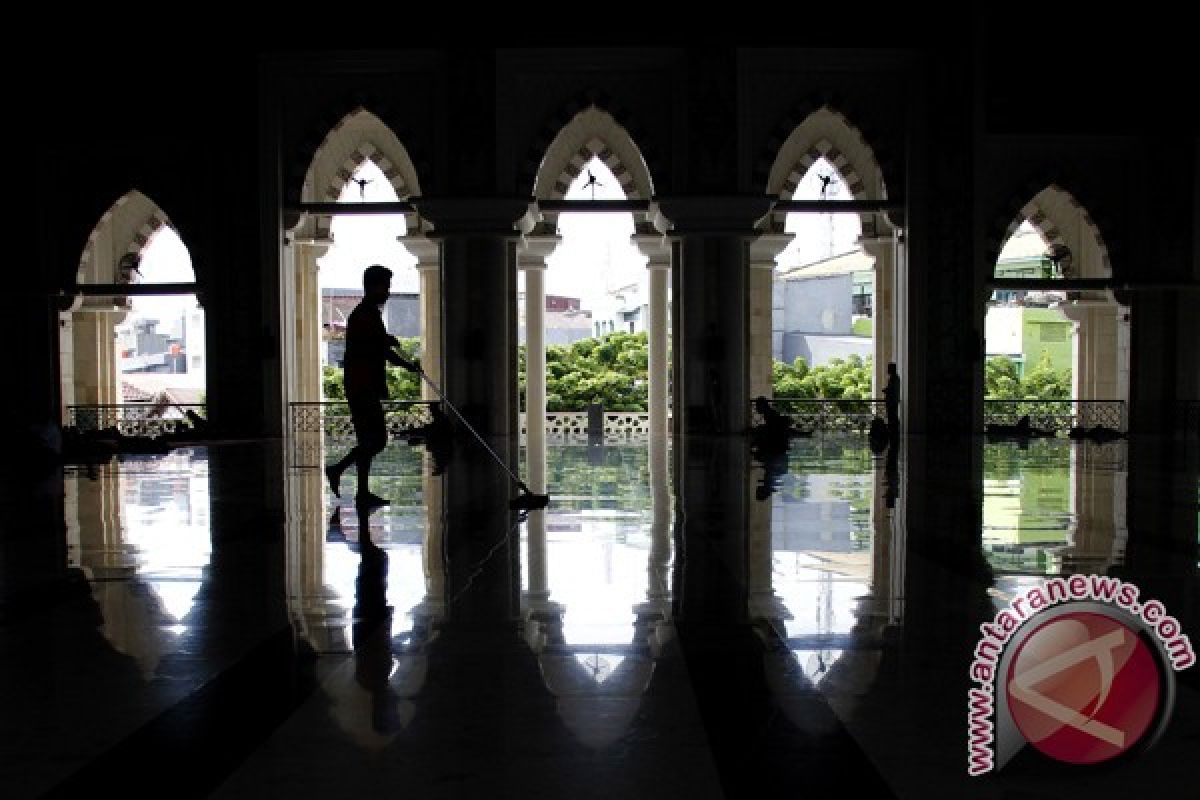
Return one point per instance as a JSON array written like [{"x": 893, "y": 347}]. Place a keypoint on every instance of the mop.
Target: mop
[{"x": 527, "y": 500}]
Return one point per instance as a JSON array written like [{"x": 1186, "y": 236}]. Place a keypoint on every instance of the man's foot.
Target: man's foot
[
  {"x": 335, "y": 480},
  {"x": 369, "y": 500}
]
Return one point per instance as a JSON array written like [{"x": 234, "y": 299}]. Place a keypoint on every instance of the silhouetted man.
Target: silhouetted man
[
  {"x": 368, "y": 350},
  {"x": 891, "y": 398}
]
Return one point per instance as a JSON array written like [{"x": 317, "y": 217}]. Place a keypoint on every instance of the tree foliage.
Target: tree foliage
[
  {"x": 1042, "y": 382},
  {"x": 840, "y": 379},
  {"x": 610, "y": 370}
]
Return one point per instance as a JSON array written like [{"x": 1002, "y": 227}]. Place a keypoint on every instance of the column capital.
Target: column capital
[
  {"x": 473, "y": 215},
  {"x": 729, "y": 214},
  {"x": 425, "y": 249},
  {"x": 765, "y": 248},
  {"x": 654, "y": 246},
  {"x": 534, "y": 249}
]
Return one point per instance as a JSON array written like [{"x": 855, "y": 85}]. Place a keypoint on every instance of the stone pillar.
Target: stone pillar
[
  {"x": 434, "y": 605},
  {"x": 95, "y": 367},
  {"x": 306, "y": 386},
  {"x": 479, "y": 379},
  {"x": 531, "y": 259},
  {"x": 428, "y": 256},
  {"x": 763, "y": 252},
  {"x": 712, "y": 375},
  {"x": 657, "y": 249},
  {"x": 658, "y": 587},
  {"x": 883, "y": 250}
]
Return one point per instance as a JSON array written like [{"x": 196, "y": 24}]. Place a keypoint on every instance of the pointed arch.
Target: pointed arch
[
  {"x": 359, "y": 136},
  {"x": 592, "y": 132},
  {"x": 1061, "y": 220},
  {"x": 826, "y": 133},
  {"x": 126, "y": 228}
]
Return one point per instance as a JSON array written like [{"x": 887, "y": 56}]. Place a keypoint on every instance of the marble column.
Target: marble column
[
  {"x": 428, "y": 256},
  {"x": 531, "y": 259},
  {"x": 657, "y": 250},
  {"x": 883, "y": 250},
  {"x": 478, "y": 283},
  {"x": 307, "y": 329},
  {"x": 1098, "y": 356},
  {"x": 712, "y": 375},
  {"x": 763, "y": 252}
]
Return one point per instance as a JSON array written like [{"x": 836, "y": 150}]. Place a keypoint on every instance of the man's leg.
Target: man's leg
[{"x": 371, "y": 428}]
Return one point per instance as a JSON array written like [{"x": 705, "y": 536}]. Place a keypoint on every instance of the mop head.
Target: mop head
[{"x": 528, "y": 501}]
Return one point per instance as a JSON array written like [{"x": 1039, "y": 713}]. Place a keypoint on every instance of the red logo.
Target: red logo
[{"x": 1083, "y": 688}]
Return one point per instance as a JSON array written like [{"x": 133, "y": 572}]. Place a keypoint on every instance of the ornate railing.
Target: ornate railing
[
  {"x": 332, "y": 417},
  {"x": 827, "y": 415},
  {"x": 571, "y": 427},
  {"x": 326, "y": 429},
  {"x": 856, "y": 415},
  {"x": 1056, "y": 415},
  {"x": 132, "y": 419}
]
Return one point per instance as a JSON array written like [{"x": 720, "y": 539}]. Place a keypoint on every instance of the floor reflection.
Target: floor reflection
[
  {"x": 815, "y": 608},
  {"x": 139, "y": 529},
  {"x": 1053, "y": 506},
  {"x": 825, "y": 515},
  {"x": 326, "y": 549}
]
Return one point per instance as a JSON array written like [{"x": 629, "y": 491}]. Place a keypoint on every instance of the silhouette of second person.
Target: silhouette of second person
[{"x": 368, "y": 351}]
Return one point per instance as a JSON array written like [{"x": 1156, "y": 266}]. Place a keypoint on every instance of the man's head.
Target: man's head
[
  {"x": 891, "y": 368},
  {"x": 377, "y": 283}
]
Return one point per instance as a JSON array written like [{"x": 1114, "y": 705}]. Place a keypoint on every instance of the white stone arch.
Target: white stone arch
[
  {"x": 359, "y": 136},
  {"x": 126, "y": 228},
  {"x": 1061, "y": 220},
  {"x": 592, "y": 133},
  {"x": 826, "y": 133}
]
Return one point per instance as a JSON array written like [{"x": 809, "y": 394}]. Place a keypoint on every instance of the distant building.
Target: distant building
[
  {"x": 815, "y": 306},
  {"x": 1023, "y": 325},
  {"x": 142, "y": 348},
  {"x": 624, "y": 308},
  {"x": 565, "y": 321},
  {"x": 1024, "y": 334}
]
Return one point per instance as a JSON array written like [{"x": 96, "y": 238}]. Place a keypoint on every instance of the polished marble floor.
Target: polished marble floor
[{"x": 696, "y": 621}]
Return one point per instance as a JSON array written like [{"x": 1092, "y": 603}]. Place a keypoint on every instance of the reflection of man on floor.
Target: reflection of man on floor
[{"x": 368, "y": 350}]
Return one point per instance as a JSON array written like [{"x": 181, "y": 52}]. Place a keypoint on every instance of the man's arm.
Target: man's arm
[{"x": 399, "y": 360}]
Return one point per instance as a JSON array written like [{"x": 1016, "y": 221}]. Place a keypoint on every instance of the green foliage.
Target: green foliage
[
  {"x": 401, "y": 384},
  {"x": 862, "y": 326},
  {"x": 847, "y": 379},
  {"x": 1043, "y": 382},
  {"x": 1000, "y": 379},
  {"x": 610, "y": 370}
]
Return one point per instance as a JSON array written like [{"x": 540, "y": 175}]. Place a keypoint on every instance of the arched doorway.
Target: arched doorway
[
  {"x": 854, "y": 256},
  {"x": 132, "y": 347}
]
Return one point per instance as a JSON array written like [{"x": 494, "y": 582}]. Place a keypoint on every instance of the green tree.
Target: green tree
[
  {"x": 848, "y": 378},
  {"x": 1000, "y": 378},
  {"x": 1042, "y": 382},
  {"x": 610, "y": 370}
]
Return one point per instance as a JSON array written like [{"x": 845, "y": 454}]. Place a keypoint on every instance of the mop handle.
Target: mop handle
[{"x": 450, "y": 405}]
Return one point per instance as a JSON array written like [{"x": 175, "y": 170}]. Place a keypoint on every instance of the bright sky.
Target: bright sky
[
  {"x": 819, "y": 236},
  {"x": 165, "y": 259},
  {"x": 360, "y": 241}
]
